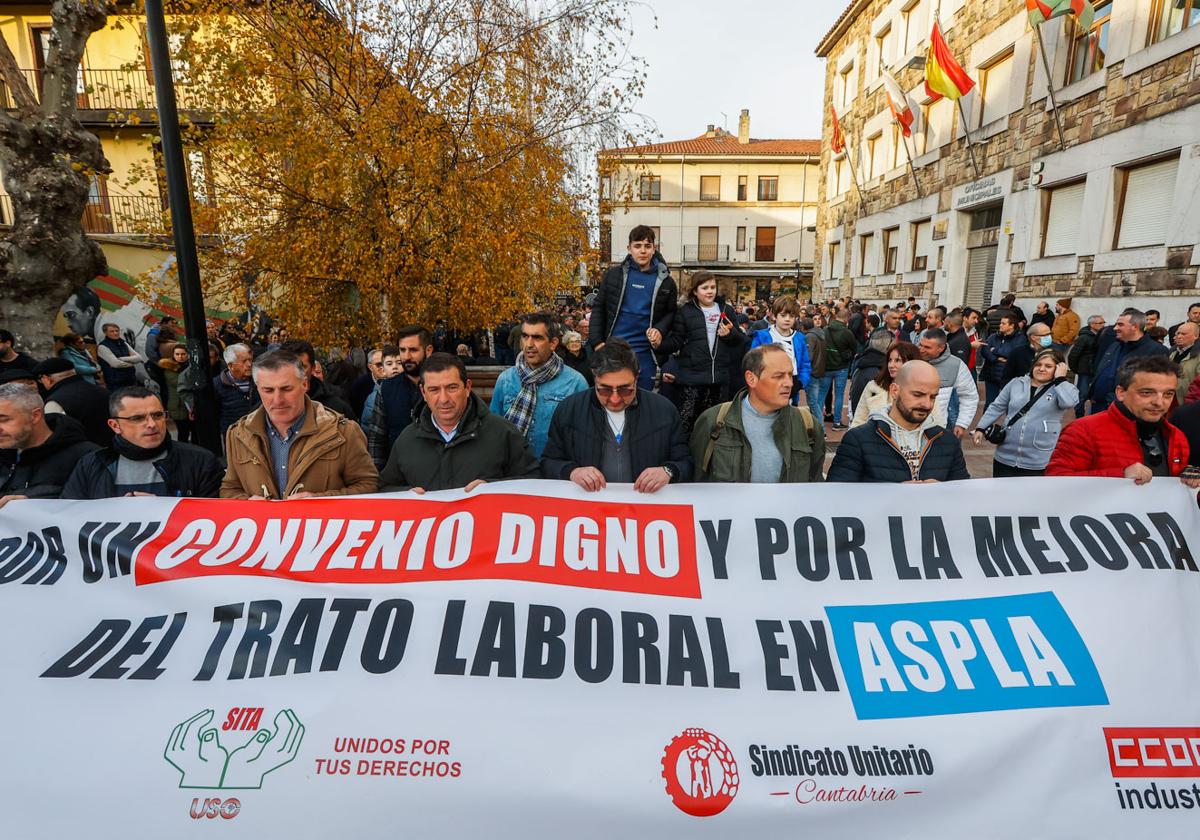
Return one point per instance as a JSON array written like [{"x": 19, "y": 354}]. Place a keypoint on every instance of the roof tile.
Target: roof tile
[{"x": 724, "y": 144}]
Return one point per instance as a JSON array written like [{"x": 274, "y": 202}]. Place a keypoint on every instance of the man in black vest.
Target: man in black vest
[
  {"x": 117, "y": 359},
  {"x": 70, "y": 394}
]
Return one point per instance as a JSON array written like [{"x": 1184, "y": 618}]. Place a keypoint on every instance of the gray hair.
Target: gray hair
[
  {"x": 233, "y": 351},
  {"x": 571, "y": 335},
  {"x": 23, "y": 396},
  {"x": 1136, "y": 317},
  {"x": 372, "y": 353},
  {"x": 881, "y": 341},
  {"x": 278, "y": 360},
  {"x": 1094, "y": 318}
]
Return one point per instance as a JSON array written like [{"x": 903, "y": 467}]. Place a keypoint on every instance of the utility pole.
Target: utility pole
[{"x": 179, "y": 199}]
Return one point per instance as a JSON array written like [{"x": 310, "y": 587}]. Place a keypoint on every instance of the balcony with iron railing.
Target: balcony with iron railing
[
  {"x": 133, "y": 214},
  {"x": 111, "y": 90},
  {"x": 695, "y": 254}
]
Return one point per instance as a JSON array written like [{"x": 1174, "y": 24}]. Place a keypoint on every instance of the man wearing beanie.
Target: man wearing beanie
[
  {"x": 70, "y": 394},
  {"x": 1066, "y": 326},
  {"x": 142, "y": 459}
]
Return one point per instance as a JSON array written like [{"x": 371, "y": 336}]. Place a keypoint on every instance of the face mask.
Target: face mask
[{"x": 1045, "y": 341}]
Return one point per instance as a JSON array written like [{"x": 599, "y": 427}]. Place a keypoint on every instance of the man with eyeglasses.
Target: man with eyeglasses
[
  {"x": 382, "y": 364},
  {"x": 615, "y": 432},
  {"x": 142, "y": 459},
  {"x": 1131, "y": 438}
]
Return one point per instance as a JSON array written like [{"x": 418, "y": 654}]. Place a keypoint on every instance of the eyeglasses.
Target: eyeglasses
[
  {"x": 156, "y": 416},
  {"x": 607, "y": 391}
]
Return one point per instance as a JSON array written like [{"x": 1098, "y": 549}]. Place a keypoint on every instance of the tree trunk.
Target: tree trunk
[{"x": 48, "y": 160}]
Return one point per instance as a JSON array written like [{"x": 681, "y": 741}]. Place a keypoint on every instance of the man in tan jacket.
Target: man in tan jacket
[
  {"x": 292, "y": 447},
  {"x": 1066, "y": 326}
]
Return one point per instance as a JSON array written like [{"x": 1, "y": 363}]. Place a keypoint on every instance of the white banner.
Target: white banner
[{"x": 1015, "y": 658}]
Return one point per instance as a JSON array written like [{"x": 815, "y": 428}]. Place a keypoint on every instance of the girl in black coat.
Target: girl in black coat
[{"x": 702, "y": 335}]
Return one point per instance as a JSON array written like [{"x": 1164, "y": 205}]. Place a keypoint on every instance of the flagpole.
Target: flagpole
[
  {"x": 1037, "y": 31},
  {"x": 967, "y": 132},
  {"x": 911, "y": 169}
]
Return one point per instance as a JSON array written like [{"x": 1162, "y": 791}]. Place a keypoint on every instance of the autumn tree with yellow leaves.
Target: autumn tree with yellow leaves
[{"x": 379, "y": 164}]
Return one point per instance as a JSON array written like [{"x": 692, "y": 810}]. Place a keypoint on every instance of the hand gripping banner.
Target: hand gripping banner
[{"x": 1013, "y": 658}]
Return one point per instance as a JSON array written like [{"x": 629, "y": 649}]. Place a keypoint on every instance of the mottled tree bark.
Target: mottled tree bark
[{"x": 47, "y": 158}]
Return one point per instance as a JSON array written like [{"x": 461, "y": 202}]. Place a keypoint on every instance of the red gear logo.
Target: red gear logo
[{"x": 700, "y": 772}]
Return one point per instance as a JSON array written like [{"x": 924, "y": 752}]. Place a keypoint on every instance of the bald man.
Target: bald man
[{"x": 901, "y": 443}]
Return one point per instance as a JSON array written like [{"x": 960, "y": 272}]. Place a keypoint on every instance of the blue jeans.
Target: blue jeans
[
  {"x": 952, "y": 410},
  {"x": 812, "y": 391},
  {"x": 835, "y": 379},
  {"x": 647, "y": 370},
  {"x": 1083, "y": 381},
  {"x": 991, "y": 390}
]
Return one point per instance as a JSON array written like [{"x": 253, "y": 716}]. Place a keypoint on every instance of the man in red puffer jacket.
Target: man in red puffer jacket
[{"x": 1131, "y": 439}]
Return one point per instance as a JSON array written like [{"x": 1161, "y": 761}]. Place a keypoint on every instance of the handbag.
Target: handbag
[{"x": 997, "y": 433}]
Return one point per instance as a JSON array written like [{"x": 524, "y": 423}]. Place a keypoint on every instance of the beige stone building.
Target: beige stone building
[
  {"x": 739, "y": 206},
  {"x": 1108, "y": 214}
]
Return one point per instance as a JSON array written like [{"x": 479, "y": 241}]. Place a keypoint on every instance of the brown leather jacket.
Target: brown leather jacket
[{"x": 329, "y": 457}]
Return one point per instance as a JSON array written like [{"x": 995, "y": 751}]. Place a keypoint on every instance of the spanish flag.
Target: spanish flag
[
  {"x": 838, "y": 143},
  {"x": 1041, "y": 11},
  {"x": 944, "y": 76}
]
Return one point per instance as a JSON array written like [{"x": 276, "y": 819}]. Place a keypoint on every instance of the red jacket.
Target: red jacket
[{"x": 1105, "y": 444}]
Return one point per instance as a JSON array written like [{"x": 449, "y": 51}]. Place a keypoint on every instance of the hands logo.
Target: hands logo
[
  {"x": 196, "y": 751},
  {"x": 700, "y": 772}
]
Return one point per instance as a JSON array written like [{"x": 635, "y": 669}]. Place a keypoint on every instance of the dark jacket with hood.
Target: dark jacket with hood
[
  {"x": 869, "y": 454},
  {"x": 86, "y": 403},
  {"x": 486, "y": 446},
  {"x": 232, "y": 403},
  {"x": 187, "y": 470},
  {"x": 607, "y": 304},
  {"x": 41, "y": 471},
  {"x": 700, "y": 363},
  {"x": 652, "y": 428},
  {"x": 869, "y": 365},
  {"x": 330, "y": 397}
]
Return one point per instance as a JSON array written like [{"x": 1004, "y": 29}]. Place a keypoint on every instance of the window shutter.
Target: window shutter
[
  {"x": 1149, "y": 191},
  {"x": 996, "y": 93},
  {"x": 1062, "y": 221}
]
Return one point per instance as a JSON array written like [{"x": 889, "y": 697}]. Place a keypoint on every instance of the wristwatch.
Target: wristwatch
[{"x": 670, "y": 471}]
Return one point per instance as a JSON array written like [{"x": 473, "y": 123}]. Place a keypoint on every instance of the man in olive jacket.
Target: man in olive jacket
[
  {"x": 761, "y": 437},
  {"x": 456, "y": 441}
]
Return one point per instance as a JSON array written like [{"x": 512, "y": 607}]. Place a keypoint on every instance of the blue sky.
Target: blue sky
[{"x": 711, "y": 56}]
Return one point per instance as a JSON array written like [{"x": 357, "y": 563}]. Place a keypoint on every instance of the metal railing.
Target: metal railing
[
  {"x": 113, "y": 214},
  {"x": 705, "y": 253},
  {"x": 121, "y": 89}
]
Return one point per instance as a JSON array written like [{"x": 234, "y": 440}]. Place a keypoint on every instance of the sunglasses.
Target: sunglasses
[{"x": 607, "y": 391}]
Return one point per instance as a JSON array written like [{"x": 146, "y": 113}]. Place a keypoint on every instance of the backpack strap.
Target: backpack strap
[
  {"x": 715, "y": 434},
  {"x": 809, "y": 424}
]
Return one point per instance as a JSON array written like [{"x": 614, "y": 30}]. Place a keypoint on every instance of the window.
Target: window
[
  {"x": 874, "y": 155},
  {"x": 994, "y": 87},
  {"x": 1170, "y": 17},
  {"x": 741, "y": 239},
  {"x": 834, "y": 269},
  {"x": 606, "y": 187},
  {"x": 922, "y": 242},
  {"x": 894, "y": 158},
  {"x": 891, "y": 249},
  {"x": 847, "y": 81},
  {"x": 710, "y": 187},
  {"x": 911, "y": 29},
  {"x": 1146, "y": 195},
  {"x": 1088, "y": 49},
  {"x": 936, "y": 118},
  {"x": 657, "y": 237},
  {"x": 866, "y": 253},
  {"x": 768, "y": 189},
  {"x": 706, "y": 241},
  {"x": 650, "y": 188},
  {"x": 764, "y": 244},
  {"x": 1060, "y": 220},
  {"x": 843, "y": 182},
  {"x": 741, "y": 188},
  {"x": 881, "y": 44}
]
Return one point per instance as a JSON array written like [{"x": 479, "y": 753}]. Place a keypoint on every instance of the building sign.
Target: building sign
[{"x": 983, "y": 190}]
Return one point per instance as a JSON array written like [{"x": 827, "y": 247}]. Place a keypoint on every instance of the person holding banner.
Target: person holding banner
[
  {"x": 455, "y": 441},
  {"x": 293, "y": 447},
  {"x": 902, "y": 443},
  {"x": 616, "y": 432},
  {"x": 142, "y": 460},
  {"x": 1131, "y": 438},
  {"x": 758, "y": 437}
]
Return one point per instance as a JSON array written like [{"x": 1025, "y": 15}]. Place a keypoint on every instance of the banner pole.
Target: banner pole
[
  {"x": 1062, "y": 143},
  {"x": 967, "y": 133},
  {"x": 911, "y": 169}
]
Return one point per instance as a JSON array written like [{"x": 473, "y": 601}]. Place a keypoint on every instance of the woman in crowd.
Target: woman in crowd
[
  {"x": 573, "y": 355},
  {"x": 179, "y": 390},
  {"x": 875, "y": 395},
  {"x": 1032, "y": 406},
  {"x": 74, "y": 351},
  {"x": 702, "y": 335}
]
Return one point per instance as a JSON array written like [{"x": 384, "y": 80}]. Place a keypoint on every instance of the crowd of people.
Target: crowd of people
[{"x": 642, "y": 385}]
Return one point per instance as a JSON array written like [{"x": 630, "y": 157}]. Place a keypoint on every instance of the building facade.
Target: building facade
[
  {"x": 743, "y": 208},
  {"x": 1098, "y": 204}
]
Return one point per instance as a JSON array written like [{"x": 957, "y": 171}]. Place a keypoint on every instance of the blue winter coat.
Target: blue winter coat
[{"x": 799, "y": 344}]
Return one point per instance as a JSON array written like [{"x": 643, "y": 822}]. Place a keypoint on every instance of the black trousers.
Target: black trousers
[{"x": 1000, "y": 470}]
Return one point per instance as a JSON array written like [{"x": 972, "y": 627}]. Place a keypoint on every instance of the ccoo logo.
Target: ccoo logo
[{"x": 700, "y": 772}]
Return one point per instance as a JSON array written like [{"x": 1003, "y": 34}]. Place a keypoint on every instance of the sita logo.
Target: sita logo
[{"x": 700, "y": 772}]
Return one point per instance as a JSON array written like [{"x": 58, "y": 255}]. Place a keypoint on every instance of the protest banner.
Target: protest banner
[{"x": 978, "y": 659}]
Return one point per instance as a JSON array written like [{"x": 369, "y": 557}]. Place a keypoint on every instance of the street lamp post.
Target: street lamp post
[{"x": 179, "y": 199}]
